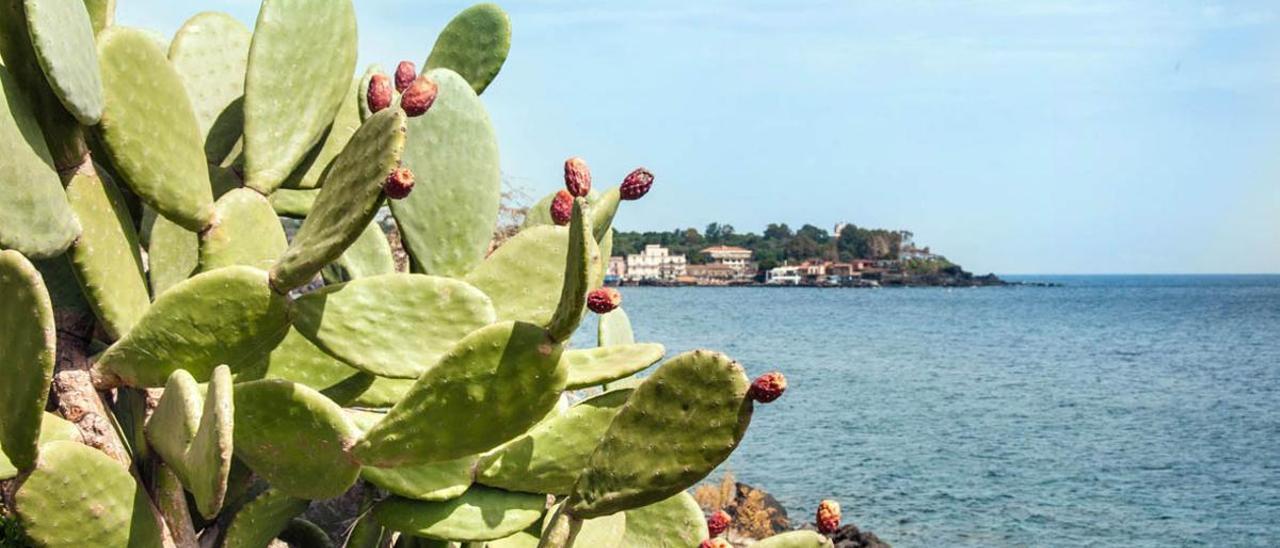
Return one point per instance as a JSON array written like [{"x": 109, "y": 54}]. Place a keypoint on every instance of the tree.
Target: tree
[
  {"x": 814, "y": 233},
  {"x": 777, "y": 232}
]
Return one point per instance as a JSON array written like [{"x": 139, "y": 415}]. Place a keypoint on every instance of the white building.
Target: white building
[
  {"x": 784, "y": 275},
  {"x": 737, "y": 259},
  {"x": 655, "y": 263}
]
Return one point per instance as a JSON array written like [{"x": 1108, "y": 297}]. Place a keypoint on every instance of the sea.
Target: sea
[{"x": 1105, "y": 411}]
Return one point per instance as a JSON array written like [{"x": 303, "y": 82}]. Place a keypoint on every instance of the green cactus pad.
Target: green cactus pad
[
  {"x": 392, "y": 325},
  {"x": 795, "y": 539},
  {"x": 673, "y": 523},
  {"x": 370, "y": 255},
  {"x": 603, "y": 532},
  {"x": 221, "y": 317},
  {"x": 261, "y": 519},
  {"x": 581, "y": 269},
  {"x": 300, "y": 532},
  {"x": 351, "y": 194},
  {"x": 52, "y": 428},
  {"x": 195, "y": 438},
  {"x": 173, "y": 255},
  {"x": 36, "y": 218},
  {"x": 614, "y": 329},
  {"x": 300, "y": 65},
  {"x": 367, "y": 533},
  {"x": 448, "y": 220},
  {"x": 245, "y": 231},
  {"x": 493, "y": 385},
  {"x": 680, "y": 423},
  {"x": 296, "y": 359},
  {"x": 536, "y": 257},
  {"x": 295, "y": 438},
  {"x": 596, "y": 366},
  {"x": 27, "y": 348},
  {"x": 149, "y": 128},
  {"x": 603, "y": 211},
  {"x": 106, "y": 257},
  {"x": 62, "y": 37},
  {"x": 435, "y": 481},
  {"x": 101, "y": 13},
  {"x": 293, "y": 203},
  {"x": 78, "y": 496},
  {"x": 383, "y": 393},
  {"x": 523, "y": 539},
  {"x": 482, "y": 513},
  {"x": 474, "y": 44},
  {"x": 211, "y": 53},
  {"x": 549, "y": 457},
  {"x": 540, "y": 213},
  {"x": 309, "y": 173}
]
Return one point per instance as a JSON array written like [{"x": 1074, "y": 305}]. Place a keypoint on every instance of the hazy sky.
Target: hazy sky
[{"x": 1019, "y": 136}]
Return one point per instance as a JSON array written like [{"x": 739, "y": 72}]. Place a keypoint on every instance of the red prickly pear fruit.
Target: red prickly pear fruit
[
  {"x": 767, "y": 387},
  {"x": 718, "y": 523},
  {"x": 405, "y": 74},
  {"x": 419, "y": 96},
  {"x": 562, "y": 208},
  {"x": 379, "y": 94},
  {"x": 637, "y": 184},
  {"x": 828, "y": 516},
  {"x": 604, "y": 300},
  {"x": 399, "y": 183},
  {"x": 577, "y": 176},
  {"x": 715, "y": 543}
]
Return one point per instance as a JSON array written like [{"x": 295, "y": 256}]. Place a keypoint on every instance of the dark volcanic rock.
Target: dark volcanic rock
[{"x": 849, "y": 536}]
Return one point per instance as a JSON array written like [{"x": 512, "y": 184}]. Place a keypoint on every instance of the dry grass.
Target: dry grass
[
  {"x": 716, "y": 496},
  {"x": 753, "y": 519}
]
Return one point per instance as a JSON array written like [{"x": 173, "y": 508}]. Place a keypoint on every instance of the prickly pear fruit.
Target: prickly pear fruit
[
  {"x": 715, "y": 543},
  {"x": 718, "y": 523},
  {"x": 637, "y": 184},
  {"x": 405, "y": 74},
  {"x": 828, "y": 516},
  {"x": 419, "y": 96},
  {"x": 379, "y": 93},
  {"x": 562, "y": 208},
  {"x": 604, "y": 300},
  {"x": 577, "y": 177},
  {"x": 399, "y": 183},
  {"x": 768, "y": 387}
]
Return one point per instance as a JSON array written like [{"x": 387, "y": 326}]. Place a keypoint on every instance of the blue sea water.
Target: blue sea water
[{"x": 1111, "y": 411}]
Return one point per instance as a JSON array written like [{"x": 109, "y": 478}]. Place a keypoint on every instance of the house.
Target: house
[
  {"x": 616, "y": 271},
  {"x": 911, "y": 252},
  {"x": 737, "y": 259},
  {"x": 713, "y": 274},
  {"x": 655, "y": 263}
]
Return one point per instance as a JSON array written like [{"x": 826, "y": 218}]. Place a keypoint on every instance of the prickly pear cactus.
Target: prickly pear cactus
[{"x": 214, "y": 379}]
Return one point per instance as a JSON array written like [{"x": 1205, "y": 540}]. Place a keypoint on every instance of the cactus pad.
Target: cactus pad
[
  {"x": 482, "y": 513},
  {"x": 795, "y": 539},
  {"x": 300, "y": 64},
  {"x": 293, "y": 203},
  {"x": 62, "y": 37},
  {"x": 27, "y": 347},
  {"x": 580, "y": 270},
  {"x": 52, "y": 428},
  {"x": 383, "y": 393},
  {"x": 603, "y": 532},
  {"x": 210, "y": 53},
  {"x": 194, "y": 438},
  {"x": 149, "y": 128},
  {"x": 474, "y": 44},
  {"x": 78, "y": 496},
  {"x": 173, "y": 254},
  {"x": 101, "y": 13},
  {"x": 603, "y": 211},
  {"x": 262, "y": 518},
  {"x": 295, "y": 438},
  {"x": 673, "y": 523},
  {"x": 393, "y": 325},
  {"x": 680, "y": 423},
  {"x": 36, "y": 218},
  {"x": 434, "y": 481},
  {"x": 245, "y": 231},
  {"x": 493, "y": 385},
  {"x": 221, "y": 317},
  {"x": 369, "y": 255},
  {"x": 614, "y": 329},
  {"x": 309, "y": 173},
  {"x": 447, "y": 223},
  {"x": 549, "y": 457},
  {"x": 595, "y": 366},
  {"x": 106, "y": 258},
  {"x": 536, "y": 257},
  {"x": 351, "y": 194},
  {"x": 296, "y": 359}
]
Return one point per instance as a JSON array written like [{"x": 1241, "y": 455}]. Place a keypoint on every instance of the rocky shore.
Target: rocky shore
[{"x": 757, "y": 515}]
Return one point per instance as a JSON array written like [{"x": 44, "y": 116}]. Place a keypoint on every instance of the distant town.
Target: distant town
[{"x": 848, "y": 256}]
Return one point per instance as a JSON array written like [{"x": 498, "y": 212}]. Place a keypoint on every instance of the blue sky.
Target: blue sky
[{"x": 1019, "y": 136}]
